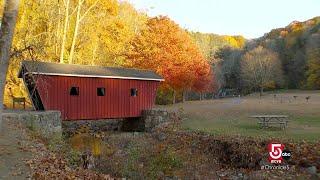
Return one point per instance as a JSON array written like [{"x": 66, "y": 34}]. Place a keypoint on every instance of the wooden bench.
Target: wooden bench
[
  {"x": 266, "y": 120},
  {"x": 19, "y": 100}
]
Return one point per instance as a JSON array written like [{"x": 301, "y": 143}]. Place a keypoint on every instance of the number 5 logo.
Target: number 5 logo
[{"x": 275, "y": 152}]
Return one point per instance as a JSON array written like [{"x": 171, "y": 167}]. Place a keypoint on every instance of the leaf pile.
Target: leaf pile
[{"x": 48, "y": 165}]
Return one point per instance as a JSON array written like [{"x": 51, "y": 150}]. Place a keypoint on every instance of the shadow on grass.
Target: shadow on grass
[{"x": 258, "y": 128}]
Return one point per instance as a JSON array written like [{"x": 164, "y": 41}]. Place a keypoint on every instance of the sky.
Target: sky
[{"x": 250, "y": 18}]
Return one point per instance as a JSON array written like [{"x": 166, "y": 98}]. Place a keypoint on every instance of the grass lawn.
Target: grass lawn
[{"x": 230, "y": 116}]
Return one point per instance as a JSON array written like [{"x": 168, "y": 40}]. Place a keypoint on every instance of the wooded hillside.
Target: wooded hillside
[
  {"x": 298, "y": 46},
  {"x": 113, "y": 33}
]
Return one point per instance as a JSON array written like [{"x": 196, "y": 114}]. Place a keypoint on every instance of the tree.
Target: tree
[
  {"x": 102, "y": 37},
  {"x": 313, "y": 62},
  {"x": 167, "y": 49},
  {"x": 65, "y": 28},
  {"x": 78, "y": 20},
  {"x": 235, "y": 41},
  {"x": 313, "y": 81},
  {"x": 260, "y": 67},
  {"x": 6, "y": 34},
  {"x": 228, "y": 68},
  {"x": 210, "y": 44},
  {"x": 109, "y": 39}
]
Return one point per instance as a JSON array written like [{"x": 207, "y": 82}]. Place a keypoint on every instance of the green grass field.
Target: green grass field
[{"x": 229, "y": 117}]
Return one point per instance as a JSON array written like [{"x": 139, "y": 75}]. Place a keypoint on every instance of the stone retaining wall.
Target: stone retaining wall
[
  {"x": 46, "y": 123},
  {"x": 149, "y": 120},
  {"x": 155, "y": 117}
]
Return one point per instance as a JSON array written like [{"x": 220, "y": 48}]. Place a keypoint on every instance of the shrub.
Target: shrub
[
  {"x": 58, "y": 145},
  {"x": 130, "y": 169},
  {"x": 165, "y": 161}
]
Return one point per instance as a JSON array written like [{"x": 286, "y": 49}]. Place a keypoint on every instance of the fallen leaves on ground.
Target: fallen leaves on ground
[{"x": 49, "y": 165}]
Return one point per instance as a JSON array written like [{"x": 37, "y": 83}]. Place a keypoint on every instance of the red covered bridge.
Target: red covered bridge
[{"x": 89, "y": 92}]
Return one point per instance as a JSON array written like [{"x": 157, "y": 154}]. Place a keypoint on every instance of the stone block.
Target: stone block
[
  {"x": 45, "y": 123},
  {"x": 155, "y": 117}
]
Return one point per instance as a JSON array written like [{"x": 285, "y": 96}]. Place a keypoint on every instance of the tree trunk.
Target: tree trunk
[
  {"x": 57, "y": 38},
  {"x": 174, "y": 97},
  {"x": 75, "y": 33},
  {"x": 261, "y": 91},
  {"x": 8, "y": 24},
  {"x": 184, "y": 94},
  {"x": 65, "y": 28},
  {"x": 76, "y": 28},
  {"x": 94, "y": 51}
]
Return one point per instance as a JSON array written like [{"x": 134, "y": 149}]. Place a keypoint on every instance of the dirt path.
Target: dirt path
[{"x": 13, "y": 152}]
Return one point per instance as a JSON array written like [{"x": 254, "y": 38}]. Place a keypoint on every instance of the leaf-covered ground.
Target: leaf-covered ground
[
  {"x": 24, "y": 156},
  {"x": 13, "y": 152},
  {"x": 170, "y": 152}
]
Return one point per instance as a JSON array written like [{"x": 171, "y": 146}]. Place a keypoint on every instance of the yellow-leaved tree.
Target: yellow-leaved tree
[{"x": 95, "y": 32}]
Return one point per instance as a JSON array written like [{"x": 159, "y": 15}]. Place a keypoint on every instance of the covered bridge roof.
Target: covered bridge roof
[{"x": 55, "y": 69}]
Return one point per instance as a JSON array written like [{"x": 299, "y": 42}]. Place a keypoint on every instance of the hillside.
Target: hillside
[
  {"x": 210, "y": 43},
  {"x": 298, "y": 47},
  {"x": 308, "y": 27}
]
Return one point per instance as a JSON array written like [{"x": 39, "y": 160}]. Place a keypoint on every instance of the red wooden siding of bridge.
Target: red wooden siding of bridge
[{"x": 117, "y": 102}]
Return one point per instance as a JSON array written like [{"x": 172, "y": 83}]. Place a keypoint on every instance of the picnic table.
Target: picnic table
[{"x": 266, "y": 120}]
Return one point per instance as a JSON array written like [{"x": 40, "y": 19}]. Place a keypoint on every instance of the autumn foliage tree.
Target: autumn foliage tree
[
  {"x": 90, "y": 32},
  {"x": 169, "y": 50},
  {"x": 260, "y": 67},
  {"x": 313, "y": 72}
]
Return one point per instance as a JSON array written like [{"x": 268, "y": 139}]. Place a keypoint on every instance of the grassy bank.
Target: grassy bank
[{"x": 230, "y": 116}]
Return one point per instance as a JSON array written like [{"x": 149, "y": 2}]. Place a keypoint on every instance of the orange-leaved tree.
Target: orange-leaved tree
[{"x": 169, "y": 50}]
